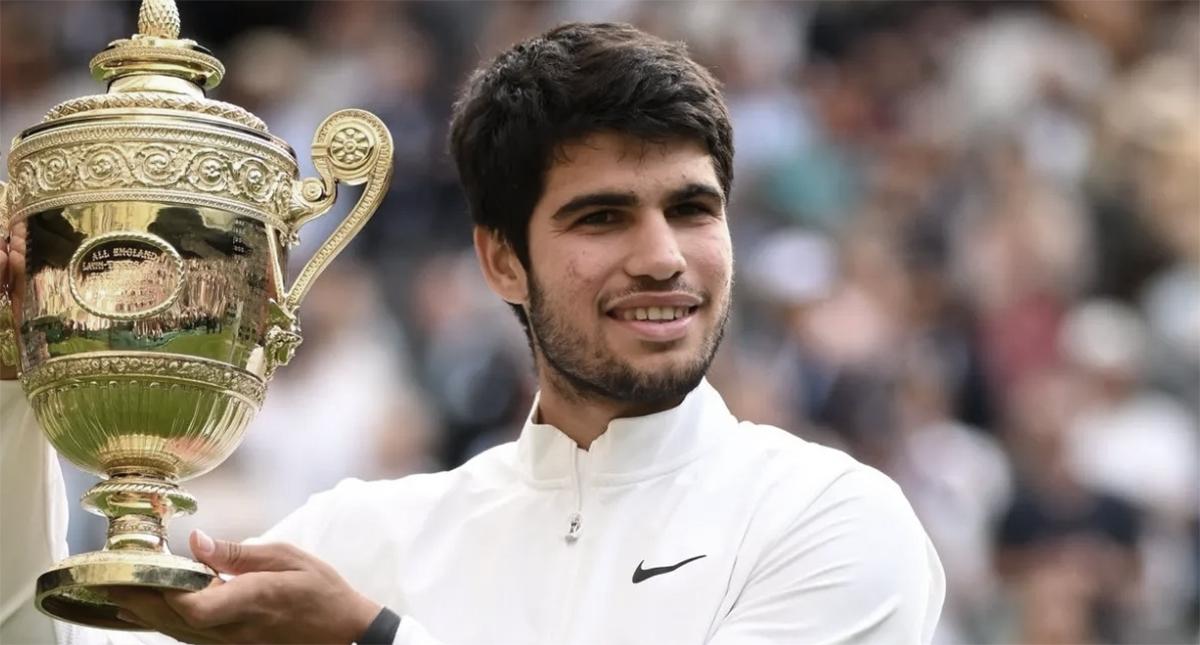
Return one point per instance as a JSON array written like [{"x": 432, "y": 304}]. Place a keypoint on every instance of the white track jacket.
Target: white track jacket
[{"x": 684, "y": 526}]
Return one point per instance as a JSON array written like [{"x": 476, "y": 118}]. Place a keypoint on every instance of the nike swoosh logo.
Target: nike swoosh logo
[{"x": 640, "y": 574}]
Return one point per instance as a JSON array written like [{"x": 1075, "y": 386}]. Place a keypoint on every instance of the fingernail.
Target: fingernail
[{"x": 204, "y": 544}]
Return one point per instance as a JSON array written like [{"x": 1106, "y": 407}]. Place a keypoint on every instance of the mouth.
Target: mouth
[
  {"x": 657, "y": 324},
  {"x": 653, "y": 314}
]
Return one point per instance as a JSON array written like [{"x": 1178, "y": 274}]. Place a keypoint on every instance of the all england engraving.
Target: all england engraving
[{"x": 126, "y": 276}]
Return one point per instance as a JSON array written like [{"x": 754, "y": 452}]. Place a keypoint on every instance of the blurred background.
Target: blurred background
[{"x": 968, "y": 252}]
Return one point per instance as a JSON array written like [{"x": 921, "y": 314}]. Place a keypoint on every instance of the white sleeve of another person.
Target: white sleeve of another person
[{"x": 33, "y": 531}]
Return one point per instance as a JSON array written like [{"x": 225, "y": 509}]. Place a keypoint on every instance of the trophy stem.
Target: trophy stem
[{"x": 138, "y": 505}]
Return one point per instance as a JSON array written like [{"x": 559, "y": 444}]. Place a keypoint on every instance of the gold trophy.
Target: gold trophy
[{"x": 149, "y": 228}]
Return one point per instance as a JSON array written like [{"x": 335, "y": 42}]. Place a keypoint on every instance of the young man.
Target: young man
[{"x": 634, "y": 508}]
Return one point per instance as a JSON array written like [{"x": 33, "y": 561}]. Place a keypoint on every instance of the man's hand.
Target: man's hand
[{"x": 279, "y": 594}]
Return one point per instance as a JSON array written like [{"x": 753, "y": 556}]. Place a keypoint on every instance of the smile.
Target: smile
[
  {"x": 664, "y": 314},
  {"x": 655, "y": 324}
]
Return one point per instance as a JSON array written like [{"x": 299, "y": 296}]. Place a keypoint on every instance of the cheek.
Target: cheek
[
  {"x": 576, "y": 280},
  {"x": 711, "y": 258}
]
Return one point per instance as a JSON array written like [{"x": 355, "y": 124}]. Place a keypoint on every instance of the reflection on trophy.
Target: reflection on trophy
[{"x": 149, "y": 228}]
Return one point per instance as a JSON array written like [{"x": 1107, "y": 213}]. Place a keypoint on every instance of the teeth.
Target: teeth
[{"x": 654, "y": 313}]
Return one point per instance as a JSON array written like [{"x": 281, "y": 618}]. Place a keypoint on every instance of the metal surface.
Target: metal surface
[{"x": 149, "y": 229}]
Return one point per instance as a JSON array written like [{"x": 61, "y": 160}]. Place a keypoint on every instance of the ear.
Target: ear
[{"x": 501, "y": 267}]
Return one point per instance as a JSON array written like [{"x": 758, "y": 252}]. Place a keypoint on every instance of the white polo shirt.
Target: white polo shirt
[{"x": 684, "y": 526}]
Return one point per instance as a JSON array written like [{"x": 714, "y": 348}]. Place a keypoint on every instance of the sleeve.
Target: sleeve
[
  {"x": 307, "y": 527},
  {"x": 33, "y": 503},
  {"x": 854, "y": 567}
]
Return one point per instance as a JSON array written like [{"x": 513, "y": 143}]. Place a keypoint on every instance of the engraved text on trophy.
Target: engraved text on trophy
[{"x": 126, "y": 276}]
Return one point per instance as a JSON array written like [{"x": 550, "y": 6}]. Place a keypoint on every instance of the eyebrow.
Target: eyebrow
[
  {"x": 625, "y": 199},
  {"x": 695, "y": 190}
]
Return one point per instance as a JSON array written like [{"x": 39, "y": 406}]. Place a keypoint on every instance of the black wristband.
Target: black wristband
[{"x": 382, "y": 630}]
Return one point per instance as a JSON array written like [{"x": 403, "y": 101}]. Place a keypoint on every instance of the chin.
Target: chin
[{"x": 660, "y": 369}]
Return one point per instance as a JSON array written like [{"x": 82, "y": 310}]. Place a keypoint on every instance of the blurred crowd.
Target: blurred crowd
[{"x": 968, "y": 252}]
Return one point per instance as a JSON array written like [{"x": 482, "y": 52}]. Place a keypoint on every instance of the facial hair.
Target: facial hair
[{"x": 593, "y": 372}]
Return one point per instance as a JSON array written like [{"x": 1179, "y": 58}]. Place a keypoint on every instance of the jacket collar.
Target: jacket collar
[{"x": 630, "y": 449}]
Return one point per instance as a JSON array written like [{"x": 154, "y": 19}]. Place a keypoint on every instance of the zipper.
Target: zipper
[
  {"x": 575, "y": 520},
  {"x": 568, "y": 598}
]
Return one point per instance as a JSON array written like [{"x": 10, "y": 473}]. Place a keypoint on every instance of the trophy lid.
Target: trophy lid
[{"x": 157, "y": 69}]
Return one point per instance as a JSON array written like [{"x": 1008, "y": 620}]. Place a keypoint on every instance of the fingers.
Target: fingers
[
  {"x": 16, "y": 253},
  {"x": 147, "y": 608},
  {"x": 218, "y": 605},
  {"x": 3, "y": 262},
  {"x": 238, "y": 558}
]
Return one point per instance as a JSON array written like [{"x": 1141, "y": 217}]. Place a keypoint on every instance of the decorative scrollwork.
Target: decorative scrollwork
[
  {"x": 101, "y": 165},
  {"x": 56, "y": 170},
  {"x": 195, "y": 166},
  {"x": 157, "y": 100},
  {"x": 359, "y": 137},
  {"x": 255, "y": 179},
  {"x": 351, "y": 146},
  {"x": 156, "y": 164},
  {"x": 283, "y": 337},
  {"x": 209, "y": 171},
  {"x": 165, "y": 368}
]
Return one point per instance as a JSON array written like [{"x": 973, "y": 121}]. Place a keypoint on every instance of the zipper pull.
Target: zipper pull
[{"x": 575, "y": 527}]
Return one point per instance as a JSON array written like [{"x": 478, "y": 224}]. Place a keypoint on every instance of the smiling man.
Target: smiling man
[{"x": 634, "y": 508}]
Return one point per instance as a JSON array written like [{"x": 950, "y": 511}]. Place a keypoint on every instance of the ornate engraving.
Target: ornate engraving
[
  {"x": 127, "y": 50},
  {"x": 158, "y": 18},
  {"x": 125, "y": 275},
  {"x": 350, "y": 146},
  {"x": 102, "y": 165},
  {"x": 68, "y": 167},
  {"x": 159, "y": 165},
  {"x": 209, "y": 171},
  {"x": 156, "y": 100},
  {"x": 59, "y": 373},
  {"x": 55, "y": 170},
  {"x": 114, "y": 496},
  {"x": 375, "y": 169},
  {"x": 128, "y": 524},
  {"x": 282, "y": 338},
  {"x": 169, "y": 133}
]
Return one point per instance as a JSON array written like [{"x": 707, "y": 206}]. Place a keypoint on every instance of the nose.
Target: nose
[{"x": 654, "y": 250}]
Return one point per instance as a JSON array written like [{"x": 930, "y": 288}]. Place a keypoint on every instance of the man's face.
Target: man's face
[{"x": 631, "y": 268}]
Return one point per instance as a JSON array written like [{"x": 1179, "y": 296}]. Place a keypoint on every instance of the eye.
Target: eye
[
  {"x": 598, "y": 218},
  {"x": 689, "y": 209}
]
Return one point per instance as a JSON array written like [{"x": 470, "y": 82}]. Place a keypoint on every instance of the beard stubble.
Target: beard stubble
[{"x": 592, "y": 372}]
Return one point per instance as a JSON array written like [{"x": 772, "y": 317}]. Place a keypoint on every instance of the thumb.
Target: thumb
[{"x": 238, "y": 558}]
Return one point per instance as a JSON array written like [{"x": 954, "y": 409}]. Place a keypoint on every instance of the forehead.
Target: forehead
[{"x": 620, "y": 162}]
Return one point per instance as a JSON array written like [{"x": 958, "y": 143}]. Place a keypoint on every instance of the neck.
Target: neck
[{"x": 583, "y": 417}]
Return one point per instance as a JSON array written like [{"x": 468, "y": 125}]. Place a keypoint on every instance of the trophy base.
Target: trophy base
[{"x": 75, "y": 590}]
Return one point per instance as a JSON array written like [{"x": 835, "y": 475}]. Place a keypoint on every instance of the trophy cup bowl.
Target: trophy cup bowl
[{"x": 148, "y": 232}]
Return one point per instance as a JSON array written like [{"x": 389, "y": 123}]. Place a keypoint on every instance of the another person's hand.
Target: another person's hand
[
  {"x": 7, "y": 372},
  {"x": 279, "y": 594}
]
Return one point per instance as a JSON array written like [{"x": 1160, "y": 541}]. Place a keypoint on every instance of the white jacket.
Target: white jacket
[{"x": 538, "y": 542}]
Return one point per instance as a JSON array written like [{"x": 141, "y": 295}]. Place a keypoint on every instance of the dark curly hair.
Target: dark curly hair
[{"x": 577, "y": 79}]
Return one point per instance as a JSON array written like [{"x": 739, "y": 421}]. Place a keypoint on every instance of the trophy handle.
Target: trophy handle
[
  {"x": 8, "y": 334},
  {"x": 352, "y": 147}
]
